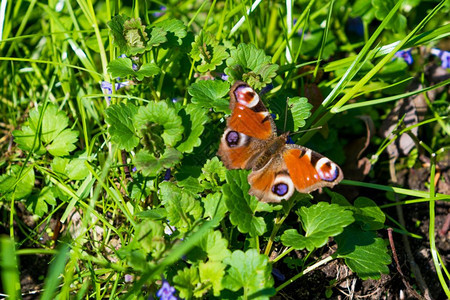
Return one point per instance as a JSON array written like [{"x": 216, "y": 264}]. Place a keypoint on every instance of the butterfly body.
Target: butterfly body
[{"x": 278, "y": 169}]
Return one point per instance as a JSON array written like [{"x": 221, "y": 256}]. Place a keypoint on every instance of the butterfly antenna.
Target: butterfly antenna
[{"x": 305, "y": 130}]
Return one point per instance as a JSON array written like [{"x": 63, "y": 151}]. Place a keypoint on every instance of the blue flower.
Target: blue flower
[
  {"x": 223, "y": 76},
  {"x": 166, "y": 292},
  {"x": 406, "y": 55},
  {"x": 443, "y": 55},
  {"x": 266, "y": 89},
  {"x": 107, "y": 87},
  {"x": 161, "y": 12}
]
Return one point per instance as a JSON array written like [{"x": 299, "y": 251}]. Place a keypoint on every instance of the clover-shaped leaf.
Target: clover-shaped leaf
[
  {"x": 160, "y": 113},
  {"x": 250, "y": 271},
  {"x": 251, "y": 65},
  {"x": 363, "y": 251},
  {"x": 320, "y": 222},
  {"x": 194, "y": 119},
  {"x": 241, "y": 205},
  {"x": 121, "y": 127},
  {"x": 209, "y": 94}
]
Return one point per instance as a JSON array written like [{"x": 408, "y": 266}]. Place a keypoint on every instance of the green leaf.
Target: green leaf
[
  {"x": 250, "y": 64},
  {"x": 187, "y": 283},
  {"x": 58, "y": 140},
  {"x": 149, "y": 235},
  {"x": 153, "y": 214},
  {"x": 121, "y": 128},
  {"x": 157, "y": 36},
  {"x": 211, "y": 275},
  {"x": 123, "y": 67},
  {"x": 369, "y": 214},
  {"x": 120, "y": 67},
  {"x": 160, "y": 113},
  {"x": 64, "y": 143},
  {"x": 151, "y": 165},
  {"x": 37, "y": 203},
  {"x": 250, "y": 271},
  {"x": 116, "y": 27},
  {"x": 241, "y": 205},
  {"x": 176, "y": 31},
  {"x": 194, "y": 119},
  {"x": 207, "y": 49},
  {"x": 209, "y": 94},
  {"x": 382, "y": 9},
  {"x": 183, "y": 210},
  {"x": 135, "y": 35},
  {"x": 214, "y": 205},
  {"x": 300, "y": 111},
  {"x": 23, "y": 187},
  {"x": 319, "y": 222},
  {"x": 76, "y": 168},
  {"x": 213, "y": 172},
  {"x": 364, "y": 252},
  {"x": 147, "y": 70},
  {"x": 212, "y": 247}
]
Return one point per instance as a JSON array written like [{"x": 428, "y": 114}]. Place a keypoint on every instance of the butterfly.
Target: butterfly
[{"x": 250, "y": 141}]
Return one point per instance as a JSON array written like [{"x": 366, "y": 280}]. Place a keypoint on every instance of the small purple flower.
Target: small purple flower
[
  {"x": 223, "y": 76},
  {"x": 167, "y": 175},
  {"x": 128, "y": 278},
  {"x": 406, "y": 55},
  {"x": 443, "y": 55},
  {"x": 134, "y": 169},
  {"x": 278, "y": 275},
  {"x": 107, "y": 87},
  {"x": 161, "y": 12},
  {"x": 123, "y": 56},
  {"x": 166, "y": 292},
  {"x": 266, "y": 89},
  {"x": 135, "y": 67}
]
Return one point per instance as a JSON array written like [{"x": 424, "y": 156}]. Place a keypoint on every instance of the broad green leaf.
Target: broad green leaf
[
  {"x": 153, "y": 214},
  {"x": 250, "y": 64},
  {"x": 214, "y": 205},
  {"x": 207, "y": 49},
  {"x": 212, "y": 247},
  {"x": 211, "y": 275},
  {"x": 319, "y": 222},
  {"x": 364, "y": 252},
  {"x": 147, "y": 70},
  {"x": 135, "y": 35},
  {"x": 116, "y": 27},
  {"x": 149, "y": 235},
  {"x": 213, "y": 172},
  {"x": 194, "y": 119},
  {"x": 300, "y": 111},
  {"x": 121, "y": 127},
  {"x": 151, "y": 165},
  {"x": 23, "y": 187},
  {"x": 25, "y": 138},
  {"x": 250, "y": 271},
  {"x": 241, "y": 205},
  {"x": 64, "y": 143},
  {"x": 191, "y": 184},
  {"x": 183, "y": 210},
  {"x": 209, "y": 94},
  {"x": 121, "y": 67},
  {"x": 187, "y": 283},
  {"x": 157, "y": 36},
  {"x": 37, "y": 203},
  {"x": 160, "y": 113},
  {"x": 58, "y": 140},
  {"x": 76, "y": 168},
  {"x": 176, "y": 31},
  {"x": 382, "y": 9},
  {"x": 369, "y": 214}
]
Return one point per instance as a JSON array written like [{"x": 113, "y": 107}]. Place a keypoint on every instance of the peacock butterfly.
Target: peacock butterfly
[{"x": 250, "y": 141}]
